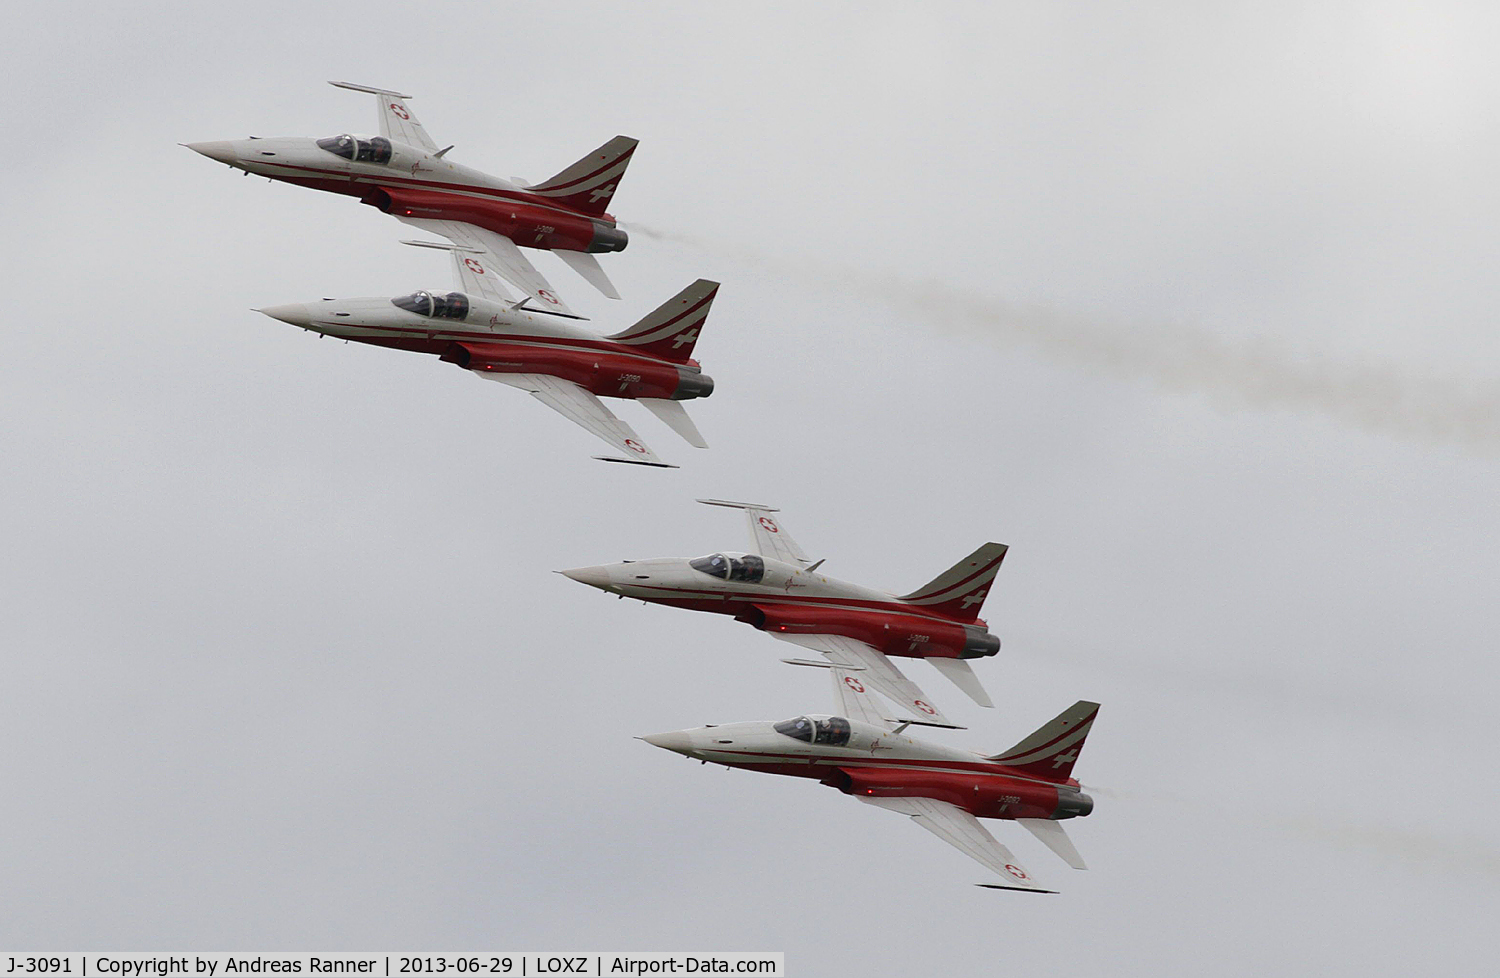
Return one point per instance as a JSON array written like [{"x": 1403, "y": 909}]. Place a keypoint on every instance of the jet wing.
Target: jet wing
[
  {"x": 855, "y": 701},
  {"x": 965, "y": 833},
  {"x": 766, "y": 534},
  {"x": 397, "y": 122},
  {"x": 878, "y": 671},
  {"x": 584, "y": 409},
  {"x": 470, "y": 271},
  {"x": 500, "y": 254}
]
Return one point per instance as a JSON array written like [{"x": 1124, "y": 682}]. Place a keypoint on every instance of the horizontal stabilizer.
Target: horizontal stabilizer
[
  {"x": 676, "y": 417},
  {"x": 961, "y": 675},
  {"x": 588, "y": 266},
  {"x": 1053, "y": 837}
]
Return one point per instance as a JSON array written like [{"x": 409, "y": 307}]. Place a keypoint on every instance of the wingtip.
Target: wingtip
[{"x": 637, "y": 461}]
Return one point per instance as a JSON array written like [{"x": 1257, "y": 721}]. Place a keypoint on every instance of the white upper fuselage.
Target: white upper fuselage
[
  {"x": 374, "y": 319},
  {"x": 757, "y": 743},
  {"x": 300, "y": 159},
  {"x": 669, "y": 578}
]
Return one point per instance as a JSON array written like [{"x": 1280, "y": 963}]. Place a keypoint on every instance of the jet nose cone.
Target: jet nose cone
[
  {"x": 592, "y": 576},
  {"x": 675, "y": 740},
  {"x": 295, "y": 313},
  {"x": 221, "y": 150}
]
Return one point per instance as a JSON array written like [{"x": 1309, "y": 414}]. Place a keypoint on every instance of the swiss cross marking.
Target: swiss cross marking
[
  {"x": 635, "y": 446},
  {"x": 977, "y": 597},
  {"x": 924, "y": 708},
  {"x": 854, "y": 684},
  {"x": 687, "y": 337},
  {"x": 601, "y": 193},
  {"x": 1062, "y": 759},
  {"x": 1016, "y": 871},
  {"x": 547, "y": 295},
  {"x": 400, "y": 110},
  {"x": 474, "y": 266},
  {"x": 769, "y": 524}
]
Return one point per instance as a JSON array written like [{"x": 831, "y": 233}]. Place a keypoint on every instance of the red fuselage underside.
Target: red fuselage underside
[
  {"x": 987, "y": 791},
  {"x": 605, "y": 369},
  {"x": 892, "y": 627},
  {"x": 526, "y": 219}
]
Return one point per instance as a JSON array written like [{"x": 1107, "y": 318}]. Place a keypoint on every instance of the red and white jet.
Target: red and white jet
[
  {"x": 403, "y": 173},
  {"x": 944, "y": 790},
  {"x": 566, "y": 367},
  {"x": 779, "y": 591}
]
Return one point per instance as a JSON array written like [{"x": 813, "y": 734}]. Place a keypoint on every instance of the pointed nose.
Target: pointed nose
[
  {"x": 221, "y": 150},
  {"x": 675, "y": 740},
  {"x": 295, "y": 313},
  {"x": 592, "y": 576}
]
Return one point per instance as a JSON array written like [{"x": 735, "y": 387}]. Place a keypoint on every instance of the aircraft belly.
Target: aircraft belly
[
  {"x": 333, "y": 185},
  {"x": 789, "y": 769},
  {"x": 894, "y": 634},
  {"x": 412, "y": 344},
  {"x": 981, "y": 795},
  {"x": 526, "y": 224}
]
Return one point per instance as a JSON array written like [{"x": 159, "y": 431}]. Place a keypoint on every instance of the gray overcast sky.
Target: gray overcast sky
[{"x": 285, "y": 664}]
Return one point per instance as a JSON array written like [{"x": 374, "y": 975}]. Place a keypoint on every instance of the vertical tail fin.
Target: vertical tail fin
[
  {"x": 589, "y": 184},
  {"x": 1051, "y": 751},
  {"x": 959, "y": 591},
  {"x": 672, "y": 330}
]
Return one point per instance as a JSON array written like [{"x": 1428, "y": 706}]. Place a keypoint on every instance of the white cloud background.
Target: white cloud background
[{"x": 285, "y": 667}]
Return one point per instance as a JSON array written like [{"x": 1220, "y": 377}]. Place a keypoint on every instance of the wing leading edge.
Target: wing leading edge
[
  {"x": 501, "y": 254},
  {"x": 584, "y": 410},
  {"x": 874, "y": 669},
  {"x": 397, "y": 121},
  {"x": 965, "y": 833},
  {"x": 767, "y": 536}
]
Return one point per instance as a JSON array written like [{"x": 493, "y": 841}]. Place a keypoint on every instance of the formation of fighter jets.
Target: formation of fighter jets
[
  {"x": 535, "y": 343},
  {"x": 944, "y": 790},
  {"x": 779, "y": 591}
]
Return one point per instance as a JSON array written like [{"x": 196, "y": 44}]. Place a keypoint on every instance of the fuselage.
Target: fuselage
[
  {"x": 862, "y": 759},
  {"x": 486, "y": 336},
  {"x": 776, "y": 596},
  {"x": 411, "y": 182}
]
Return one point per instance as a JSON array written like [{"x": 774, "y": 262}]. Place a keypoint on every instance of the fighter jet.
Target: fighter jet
[
  {"x": 779, "y": 591},
  {"x": 944, "y": 790},
  {"x": 566, "y": 367},
  {"x": 402, "y": 172}
]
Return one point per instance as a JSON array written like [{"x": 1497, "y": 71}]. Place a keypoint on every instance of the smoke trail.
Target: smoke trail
[
  {"x": 1455, "y": 854},
  {"x": 1383, "y": 397}
]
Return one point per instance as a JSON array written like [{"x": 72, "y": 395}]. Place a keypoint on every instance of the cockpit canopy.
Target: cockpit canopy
[
  {"x": 748, "y": 568},
  {"x": 454, "y": 305},
  {"x": 374, "y": 150},
  {"x": 832, "y": 731}
]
